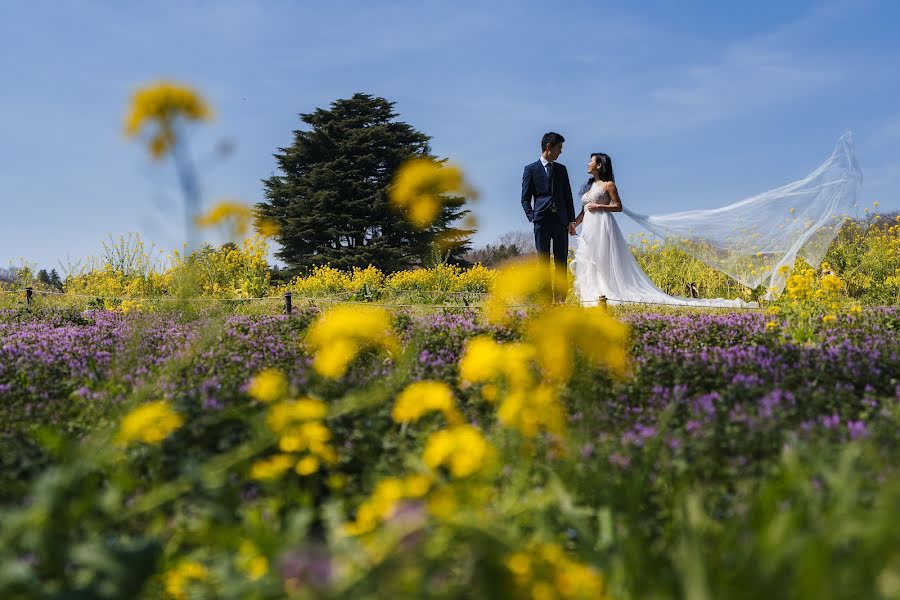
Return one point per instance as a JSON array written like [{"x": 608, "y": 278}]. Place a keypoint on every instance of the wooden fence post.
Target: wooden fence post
[
  {"x": 601, "y": 301},
  {"x": 287, "y": 303},
  {"x": 29, "y": 292}
]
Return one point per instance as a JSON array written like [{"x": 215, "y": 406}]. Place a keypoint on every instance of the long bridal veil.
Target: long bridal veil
[{"x": 751, "y": 240}]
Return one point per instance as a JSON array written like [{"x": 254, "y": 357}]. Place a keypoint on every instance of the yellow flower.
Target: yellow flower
[
  {"x": 530, "y": 410},
  {"x": 162, "y": 105},
  {"x": 462, "y": 448},
  {"x": 423, "y": 397},
  {"x": 237, "y": 214},
  {"x": 271, "y": 468},
  {"x": 520, "y": 281},
  {"x": 149, "y": 423},
  {"x": 832, "y": 283},
  {"x": 417, "y": 486},
  {"x": 286, "y": 414},
  {"x": 249, "y": 559},
  {"x": 266, "y": 227},
  {"x": 177, "y": 578},
  {"x": 422, "y": 186},
  {"x": 442, "y": 503},
  {"x": 269, "y": 385},
  {"x": 482, "y": 360},
  {"x": 556, "y": 332},
  {"x": 339, "y": 335},
  {"x": 307, "y": 465},
  {"x": 771, "y": 325},
  {"x": 829, "y": 319},
  {"x": 855, "y": 310}
]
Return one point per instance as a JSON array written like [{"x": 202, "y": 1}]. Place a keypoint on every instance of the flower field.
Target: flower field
[{"x": 357, "y": 452}]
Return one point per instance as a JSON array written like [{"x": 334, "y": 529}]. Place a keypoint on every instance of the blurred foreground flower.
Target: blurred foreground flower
[
  {"x": 268, "y": 385},
  {"x": 238, "y": 217},
  {"x": 545, "y": 571},
  {"x": 518, "y": 282},
  {"x": 422, "y": 397},
  {"x": 159, "y": 106},
  {"x": 421, "y": 187},
  {"x": 340, "y": 334},
  {"x": 180, "y": 577},
  {"x": 150, "y": 423},
  {"x": 462, "y": 449}
]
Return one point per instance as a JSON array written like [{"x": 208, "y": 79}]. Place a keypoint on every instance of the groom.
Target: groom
[{"x": 547, "y": 200}]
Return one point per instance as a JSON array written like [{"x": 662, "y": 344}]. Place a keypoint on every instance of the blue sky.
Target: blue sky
[{"x": 699, "y": 103}]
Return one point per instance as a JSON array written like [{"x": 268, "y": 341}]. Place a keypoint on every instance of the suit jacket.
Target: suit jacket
[{"x": 536, "y": 188}]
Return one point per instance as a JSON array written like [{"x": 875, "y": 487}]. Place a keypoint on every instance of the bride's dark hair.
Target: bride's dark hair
[{"x": 606, "y": 170}]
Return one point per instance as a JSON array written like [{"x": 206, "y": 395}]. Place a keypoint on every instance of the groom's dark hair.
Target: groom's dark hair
[{"x": 551, "y": 138}]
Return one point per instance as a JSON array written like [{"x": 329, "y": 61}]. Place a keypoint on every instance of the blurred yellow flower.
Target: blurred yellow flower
[
  {"x": 422, "y": 186},
  {"x": 832, "y": 283},
  {"x": 161, "y": 105},
  {"x": 249, "y": 560},
  {"x": 518, "y": 282},
  {"x": 416, "y": 486},
  {"x": 286, "y": 414},
  {"x": 271, "y": 468},
  {"x": 829, "y": 319},
  {"x": 423, "y": 397},
  {"x": 771, "y": 325},
  {"x": 268, "y": 385},
  {"x": 236, "y": 214},
  {"x": 179, "y": 577},
  {"x": 340, "y": 334},
  {"x": 307, "y": 465},
  {"x": 149, "y": 423},
  {"x": 462, "y": 449}
]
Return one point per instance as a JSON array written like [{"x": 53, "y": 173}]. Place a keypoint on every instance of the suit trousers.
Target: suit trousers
[{"x": 551, "y": 234}]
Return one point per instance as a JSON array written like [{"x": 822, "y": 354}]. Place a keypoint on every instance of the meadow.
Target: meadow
[
  {"x": 169, "y": 430},
  {"x": 448, "y": 433}
]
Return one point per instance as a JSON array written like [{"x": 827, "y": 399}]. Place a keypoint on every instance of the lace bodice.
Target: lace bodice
[{"x": 596, "y": 193}]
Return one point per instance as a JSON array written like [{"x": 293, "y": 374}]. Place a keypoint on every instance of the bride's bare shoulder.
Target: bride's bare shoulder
[{"x": 609, "y": 185}]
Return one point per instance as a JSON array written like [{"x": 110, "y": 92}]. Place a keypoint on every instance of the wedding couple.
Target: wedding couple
[{"x": 751, "y": 240}]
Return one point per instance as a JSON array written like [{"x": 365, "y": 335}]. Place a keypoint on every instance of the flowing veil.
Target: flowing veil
[{"x": 752, "y": 239}]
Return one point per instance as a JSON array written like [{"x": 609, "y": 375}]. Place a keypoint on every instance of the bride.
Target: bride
[
  {"x": 603, "y": 264},
  {"x": 754, "y": 241}
]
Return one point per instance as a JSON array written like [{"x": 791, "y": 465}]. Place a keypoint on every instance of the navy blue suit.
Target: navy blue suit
[{"x": 549, "y": 205}]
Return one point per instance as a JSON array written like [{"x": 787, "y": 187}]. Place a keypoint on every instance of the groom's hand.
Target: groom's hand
[{"x": 571, "y": 228}]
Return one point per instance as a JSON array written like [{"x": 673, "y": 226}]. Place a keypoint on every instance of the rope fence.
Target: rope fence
[{"x": 344, "y": 298}]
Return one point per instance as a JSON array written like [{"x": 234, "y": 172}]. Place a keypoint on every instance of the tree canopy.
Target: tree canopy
[{"x": 330, "y": 196}]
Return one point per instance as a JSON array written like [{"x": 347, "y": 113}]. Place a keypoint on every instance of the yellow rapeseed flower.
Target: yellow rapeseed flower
[
  {"x": 518, "y": 282},
  {"x": 423, "y": 397},
  {"x": 462, "y": 448},
  {"x": 236, "y": 214},
  {"x": 179, "y": 577},
  {"x": 340, "y": 334},
  {"x": 422, "y": 186},
  {"x": 271, "y": 468},
  {"x": 307, "y": 465},
  {"x": 251, "y": 561},
  {"x": 269, "y": 385},
  {"x": 286, "y": 414},
  {"x": 832, "y": 283},
  {"x": 482, "y": 360},
  {"x": 161, "y": 105},
  {"x": 149, "y": 423},
  {"x": 829, "y": 319},
  {"x": 556, "y": 332}
]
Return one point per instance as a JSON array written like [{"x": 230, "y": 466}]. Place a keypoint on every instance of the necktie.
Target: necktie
[{"x": 550, "y": 175}]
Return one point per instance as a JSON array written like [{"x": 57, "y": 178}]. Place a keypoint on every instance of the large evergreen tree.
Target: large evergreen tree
[{"x": 330, "y": 198}]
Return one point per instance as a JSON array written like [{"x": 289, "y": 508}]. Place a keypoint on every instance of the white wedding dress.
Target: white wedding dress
[{"x": 604, "y": 266}]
